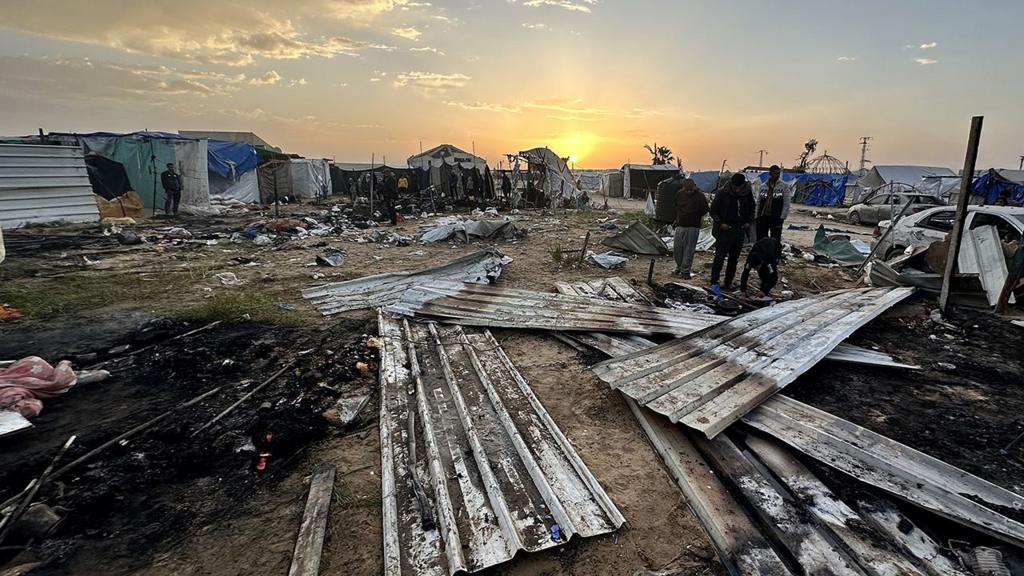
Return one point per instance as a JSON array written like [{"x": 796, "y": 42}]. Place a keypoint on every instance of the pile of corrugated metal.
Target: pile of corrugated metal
[{"x": 475, "y": 469}]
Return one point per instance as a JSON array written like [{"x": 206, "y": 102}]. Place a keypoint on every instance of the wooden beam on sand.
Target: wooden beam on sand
[{"x": 312, "y": 532}]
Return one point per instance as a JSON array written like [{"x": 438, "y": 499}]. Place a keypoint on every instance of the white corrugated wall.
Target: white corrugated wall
[{"x": 44, "y": 184}]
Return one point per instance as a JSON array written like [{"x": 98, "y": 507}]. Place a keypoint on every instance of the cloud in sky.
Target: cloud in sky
[
  {"x": 925, "y": 61},
  {"x": 928, "y": 45},
  {"x": 269, "y": 78},
  {"x": 483, "y": 107},
  {"x": 228, "y": 32},
  {"x": 571, "y": 5},
  {"x": 537, "y": 26},
  {"x": 846, "y": 59},
  {"x": 408, "y": 33},
  {"x": 431, "y": 81},
  {"x": 427, "y": 49}
]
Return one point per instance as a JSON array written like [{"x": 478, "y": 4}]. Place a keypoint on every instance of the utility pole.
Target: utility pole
[
  {"x": 760, "y": 161},
  {"x": 864, "y": 140}
]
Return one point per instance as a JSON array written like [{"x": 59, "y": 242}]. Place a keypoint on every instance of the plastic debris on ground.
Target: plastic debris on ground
[
  {"x": 696, "y": 308},
  {"x": 607, "y": 260},
  {"x": 638, "y": 239},
  {"x": 840, "y": 248},
  {"x": 228, "y": 279},
  {"x": 333, "y": 258},
  {"x": 463, "y": 231},
  {"x": 9, "y": 314}
]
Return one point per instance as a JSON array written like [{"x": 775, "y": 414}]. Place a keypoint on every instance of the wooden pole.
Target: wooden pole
[
  {"x": 583, "y": 253},
  {"x": 243, "y": 399},
  {"x": 956, "y": 236},
  {"x": 373, "y": 158},
  {"x": 30, "y": 492},
  {"x": 650, "y": 273}
]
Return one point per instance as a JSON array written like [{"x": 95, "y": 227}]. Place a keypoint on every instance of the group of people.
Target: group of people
[{"x": 737, "y": 211}]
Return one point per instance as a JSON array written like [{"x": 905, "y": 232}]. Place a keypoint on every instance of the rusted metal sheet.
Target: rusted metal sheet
[
  {"x": 480, "y": 267},
  {"x": 710, "y": 380},
  {"x": 891, "y": 466},
  {"x": 475, "y": 305},
  {"x": 473, "y": 467}
]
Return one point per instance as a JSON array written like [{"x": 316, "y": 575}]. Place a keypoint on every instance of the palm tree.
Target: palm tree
[
  {"x": 660, "y": 154},
  {"x": 809, "y": 147}
]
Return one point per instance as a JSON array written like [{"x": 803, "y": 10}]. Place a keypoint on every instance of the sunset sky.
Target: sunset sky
[{"x": 592, "y": 79}]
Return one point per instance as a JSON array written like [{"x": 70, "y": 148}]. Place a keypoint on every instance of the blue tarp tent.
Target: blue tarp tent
[
  {"x": 230, "y": 158},
  {"x": 991, "y": 185},
  {"x": 815, "y": 189},
  {"x": 706, "y": 181}
]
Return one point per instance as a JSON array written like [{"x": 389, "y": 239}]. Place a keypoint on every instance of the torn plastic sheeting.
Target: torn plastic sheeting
[
  {"x": 840, "y": 248},
  {"x": 463, "y": 231},
  {"x": 481, "y": 267},
  {"x": 607, "y": 260},
  {"x": 638, "y": 239}
]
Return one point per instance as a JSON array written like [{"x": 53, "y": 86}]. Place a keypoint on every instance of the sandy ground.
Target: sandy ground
[{"x": 258, "y": 535}]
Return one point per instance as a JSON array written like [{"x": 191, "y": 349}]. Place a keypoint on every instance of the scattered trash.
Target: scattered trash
[
  {"x": 178, "y": 233},
  {"x": 287, "y": 307},
  {"x": 607, "y": 260},
  {"x": 228, "y": 278},
  {"x": 9, "y": 314},
  {"x": 263, "y": 240},
  {"x": 128, "y": 238},
  {"x": 637, "y": 239},
  {"x": 946, "y": 366},
  {"x": 333, "y": 258},
  {"x": 465, "y": 230},
  {"x": 26, "y": 383},
  {"x": 840, "y": 248},
  {"x": 695, "y": 308},
  {"x": 556, "y": 532}
]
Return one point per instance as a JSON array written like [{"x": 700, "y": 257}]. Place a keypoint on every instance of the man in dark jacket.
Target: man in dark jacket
[
  {"x": 732, "y": 211},
  {"x": 171, "y": 181},
  {"x": 690, "y": 208},
  {"x": 764, "y": 258}
]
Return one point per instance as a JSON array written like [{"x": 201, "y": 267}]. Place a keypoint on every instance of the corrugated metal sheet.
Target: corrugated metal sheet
[
  {"x": 614, "y": 289},
  {"x": 44, "y": 184},
  {"x": 709, "y": 381},
  {"x": 475, "y": 305},
  {"x": 473, "y": 467},
  {"x": 891, "y": 466},
  {"x": 384, "y": 289}
]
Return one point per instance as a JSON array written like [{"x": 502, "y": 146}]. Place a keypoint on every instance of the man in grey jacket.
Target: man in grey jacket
[{"x": 773, "y": 199}]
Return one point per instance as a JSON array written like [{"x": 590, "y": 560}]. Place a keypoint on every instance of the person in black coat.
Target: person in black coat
[
  {"x": 764, "y": 258},
  {"x": 171, "y": 181},
  {"x": 732, "y": 211}
]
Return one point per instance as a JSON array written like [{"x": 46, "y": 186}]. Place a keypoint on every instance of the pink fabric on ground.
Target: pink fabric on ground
[{"x": 25, "y": 383}]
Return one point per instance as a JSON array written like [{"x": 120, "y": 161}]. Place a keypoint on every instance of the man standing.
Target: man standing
[
  {"x": 764, "y": 259},
  {"x": 690, "y": 207},
  {"x": 732, "y": 211},
  {"x": 171, "y": 181},
  {"x": 391, "y": 197},
  {"x": 506, "y": 187},
  {"x": 773, "y": 199}
]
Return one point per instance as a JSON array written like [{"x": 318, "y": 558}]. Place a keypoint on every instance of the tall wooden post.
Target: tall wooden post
[{"x": 956, "y": 236}]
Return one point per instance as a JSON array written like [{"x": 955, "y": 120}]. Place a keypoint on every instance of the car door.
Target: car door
[{"x": 870, "y": 215}]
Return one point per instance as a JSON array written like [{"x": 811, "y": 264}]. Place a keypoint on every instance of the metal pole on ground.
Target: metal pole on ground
[{"x": 956, "y": 235}]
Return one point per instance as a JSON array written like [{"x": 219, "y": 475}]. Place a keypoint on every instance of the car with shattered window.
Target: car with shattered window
[{"x": 923, "y": 228}]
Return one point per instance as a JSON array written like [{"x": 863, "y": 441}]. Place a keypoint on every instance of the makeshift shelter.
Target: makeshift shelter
[
  {"x": 445, "y": 165},
  {"x": 881, "y": 175},
  {"x": 229, "y": 136},
  {"x": 232, "y": 171},
  {"x": 274, "y": 175},
  {"x": 995, "y": 184},
  {"x": 706, "y": 181},
  {"x": 611, "y": 185},
  {"x": 44, "y": 184},
  {"x": 145, "y": 155},
  {"x": 112, "y": 189},
  {"x": 639, "y": 180},
  {"x": 342, "y": 173},
  {"x": 311, "y": 177},
  {"x": 550, "y": 176},
  {"x": 815, "y": 189}
]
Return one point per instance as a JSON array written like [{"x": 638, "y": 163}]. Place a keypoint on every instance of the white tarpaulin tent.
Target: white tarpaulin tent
[
  {"x": 311, "y": 177},
  {"x": 558, "y": 182},
  {"x": 446, "y": 154}
]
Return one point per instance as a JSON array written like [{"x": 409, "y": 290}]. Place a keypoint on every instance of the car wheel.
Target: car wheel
[
  {"x": 894, "y": 252},
  {"x": 855, "y": 218}
]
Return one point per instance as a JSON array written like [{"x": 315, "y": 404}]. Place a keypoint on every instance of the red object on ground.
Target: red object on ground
[
  {"x": 24, "y": 384},
  {"x": 9, "y": 314}
]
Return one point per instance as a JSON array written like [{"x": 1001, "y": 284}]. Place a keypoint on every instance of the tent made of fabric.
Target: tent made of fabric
[
  {"x": 108, "y": 177},
  {"x": 230, "y": 136},
  {"x": 557, "y": 181},
  {"x": 232, "y": 171},
  {"x": 639, "y": 180},
  {"x": 446, "y": 154},
  {"x": 882, "y": 175},
  {"x": 311, "y": 177},
  {"x": 993, "y": 184},
  {"x": 611, "y": 185},
  {"x": 815, "y": 189},
  {"x": 145, "y": 156},
  {"x": 706, "y": 181}
]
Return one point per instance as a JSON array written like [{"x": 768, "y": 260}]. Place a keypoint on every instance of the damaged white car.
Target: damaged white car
[{"x": 925, "y": 227}]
